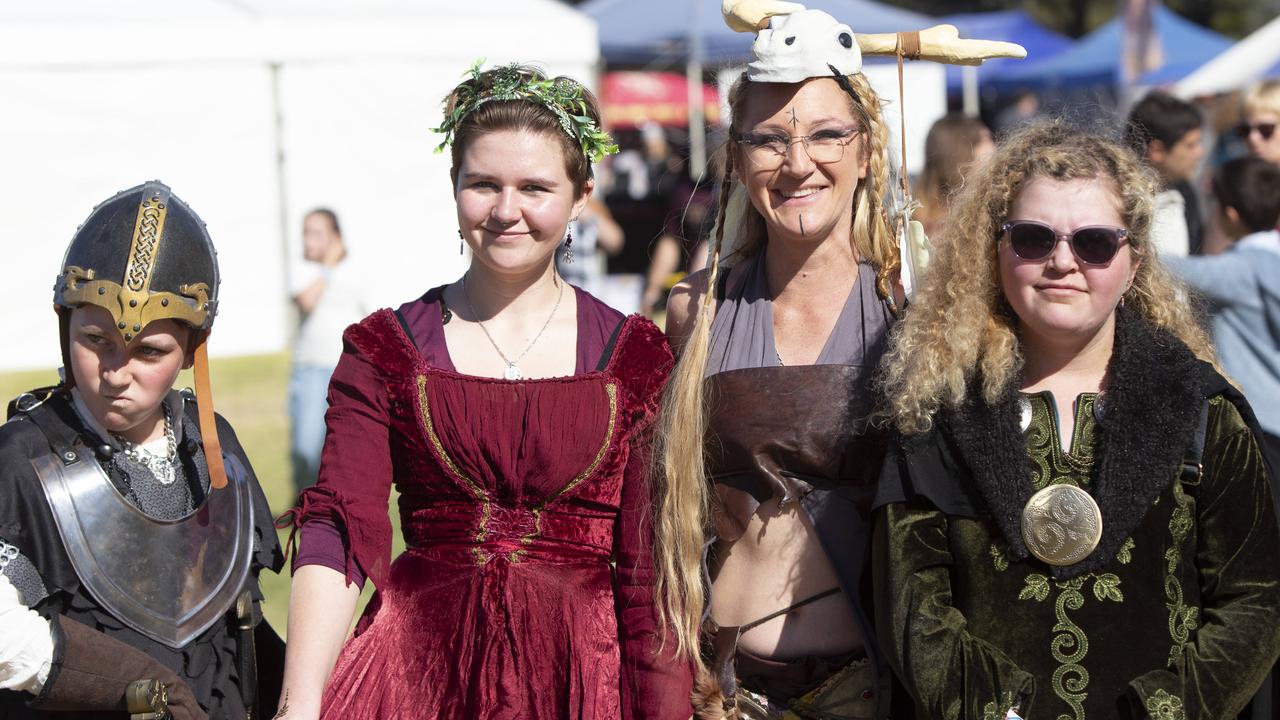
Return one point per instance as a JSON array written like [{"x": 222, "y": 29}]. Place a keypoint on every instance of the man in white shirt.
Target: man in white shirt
[{"x": 1166, "y": 132}]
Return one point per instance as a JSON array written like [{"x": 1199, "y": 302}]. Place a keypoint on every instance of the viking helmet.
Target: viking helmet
[{"x": 143, "y": 255}]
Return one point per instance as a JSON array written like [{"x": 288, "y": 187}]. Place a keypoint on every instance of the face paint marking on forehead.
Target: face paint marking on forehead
[{"x": 794, "y": 121}]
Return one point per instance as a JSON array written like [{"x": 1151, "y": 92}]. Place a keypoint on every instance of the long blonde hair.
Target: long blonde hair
[
  {"x": 960, "y": 323},
  {"x": 682, "y": 526}
]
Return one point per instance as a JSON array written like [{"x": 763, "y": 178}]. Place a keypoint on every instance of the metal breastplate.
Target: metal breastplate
[
  {"x": 785, "y": 431},
  {"x": 170, "y": 580}
]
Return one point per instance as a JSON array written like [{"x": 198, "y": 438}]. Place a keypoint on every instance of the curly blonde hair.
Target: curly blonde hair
[
  {"x": 961, "y": 327},
  {"x": 681, "y": 525}
]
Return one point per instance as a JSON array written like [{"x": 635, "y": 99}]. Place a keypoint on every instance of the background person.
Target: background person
[
  {"x": 1077, "y": 520},
  {"x": 1167, "y": 133},
  {"x": 511, "y": 413},
  {"x": 1261, "y": 119},
  {"x": 1242, "y": 285},
  {"x": 594, "y": 236},
  {"x": 329, "y": 297},
  {"x": 955, "y": 143}
]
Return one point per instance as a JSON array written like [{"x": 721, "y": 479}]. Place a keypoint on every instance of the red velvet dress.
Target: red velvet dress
[{"x": 526, "y": 590}]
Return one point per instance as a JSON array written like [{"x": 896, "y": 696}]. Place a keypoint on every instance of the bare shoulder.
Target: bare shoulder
[{"x": 682, "y": 307}]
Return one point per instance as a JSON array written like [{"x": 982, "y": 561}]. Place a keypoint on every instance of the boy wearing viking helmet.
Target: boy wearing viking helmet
[{"x": 132, "y": 528}]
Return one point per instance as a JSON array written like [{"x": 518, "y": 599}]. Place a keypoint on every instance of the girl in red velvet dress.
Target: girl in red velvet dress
[{"x": 512, "y": 414}]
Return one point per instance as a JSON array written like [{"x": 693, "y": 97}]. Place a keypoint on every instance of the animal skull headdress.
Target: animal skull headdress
[{"x": 794, "y": 44}]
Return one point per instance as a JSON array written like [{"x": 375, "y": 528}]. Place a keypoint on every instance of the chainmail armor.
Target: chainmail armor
[{"x": 24, "y": 576}]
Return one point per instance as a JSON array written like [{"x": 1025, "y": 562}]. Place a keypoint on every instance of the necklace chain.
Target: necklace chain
[
  {"x": 513, "y": 371},
  {"x": 162, "y": 468}
]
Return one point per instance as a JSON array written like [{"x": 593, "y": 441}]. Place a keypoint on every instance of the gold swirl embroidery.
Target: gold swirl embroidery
[
  {"x": 1040, "y": 442},
  {"x": 1183, "y": 620},
  {"x": 993, "y": 710},
  {"x": 1125, "y": 554},
  {"x": 1163, "y": 706},
  {"x": 1069, "y": 647},
  {"x": 482, "y": 531},
  {"x": 611, "y": 390},
  {"x": 999, "y": 557}
]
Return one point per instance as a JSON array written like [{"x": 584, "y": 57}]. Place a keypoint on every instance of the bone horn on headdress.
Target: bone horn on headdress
[
  {"x": 748, "y": 16},
  {"x": 943, "y": 44}
]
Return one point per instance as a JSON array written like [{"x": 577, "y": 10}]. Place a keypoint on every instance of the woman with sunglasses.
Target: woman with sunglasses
[
  {"x": 1261, "y": 116},
  {"x": 1075, "y": 517}
]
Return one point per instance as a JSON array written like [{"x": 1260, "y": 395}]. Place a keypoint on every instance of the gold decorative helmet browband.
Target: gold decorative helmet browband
[{"x": 143, "y": 256}]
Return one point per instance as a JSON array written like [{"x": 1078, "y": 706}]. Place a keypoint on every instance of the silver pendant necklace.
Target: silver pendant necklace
[
  {"x": 161, "y": 467},
  {"x": 512, "y": 371}
]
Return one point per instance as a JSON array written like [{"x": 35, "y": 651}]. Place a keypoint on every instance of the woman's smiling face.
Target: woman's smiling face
[
  {"x": 801, "y": 199},
  {"x": 515, "y": 199}
]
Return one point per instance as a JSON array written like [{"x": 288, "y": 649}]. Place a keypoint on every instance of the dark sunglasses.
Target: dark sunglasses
[
  {"x": 1092, "y": 244},
  {"x": 1265, "y": 129}
]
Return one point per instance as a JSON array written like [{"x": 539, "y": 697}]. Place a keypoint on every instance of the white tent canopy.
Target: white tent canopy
[
  {"x": 1238, "y": 66},
  {"x": 254, "y": 111}
]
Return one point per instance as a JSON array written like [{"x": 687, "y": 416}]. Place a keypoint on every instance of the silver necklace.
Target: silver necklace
[
  {"x": 162, "y": 468},
  {"x": 512, "y": 371}
]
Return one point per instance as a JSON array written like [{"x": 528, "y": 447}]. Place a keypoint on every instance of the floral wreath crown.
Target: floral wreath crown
[{"x": 561, "y": 96}]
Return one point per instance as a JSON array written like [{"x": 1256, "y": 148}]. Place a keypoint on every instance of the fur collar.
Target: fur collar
[{"x": 1154, "y": 390}]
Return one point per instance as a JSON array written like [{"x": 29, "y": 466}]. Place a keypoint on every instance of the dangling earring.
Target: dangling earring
[
  {"x": 568, "y": 248},
  {"x": 459, "y": 242}
]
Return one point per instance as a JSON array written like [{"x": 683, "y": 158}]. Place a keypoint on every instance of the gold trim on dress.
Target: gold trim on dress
[{"x": 482, "y": 531}]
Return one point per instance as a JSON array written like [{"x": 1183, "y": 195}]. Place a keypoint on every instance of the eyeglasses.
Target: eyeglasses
[
  {"x": 767, "y": 151},
  {"x": 1092, "y": 244},
  {"x": 1265, "y": 129}
]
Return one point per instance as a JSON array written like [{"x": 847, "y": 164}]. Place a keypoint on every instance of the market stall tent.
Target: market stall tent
[
  {"x": 254, "y": 111},
  {"x": 1095, "y": 60},
  {"x": 1251, "y": 59}
]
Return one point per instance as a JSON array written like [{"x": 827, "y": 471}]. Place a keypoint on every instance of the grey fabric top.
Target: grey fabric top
[{"x": 742, "y": 332}]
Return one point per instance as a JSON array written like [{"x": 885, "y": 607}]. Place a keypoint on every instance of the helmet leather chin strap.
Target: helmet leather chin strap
[{"x": 208, "y": 426}]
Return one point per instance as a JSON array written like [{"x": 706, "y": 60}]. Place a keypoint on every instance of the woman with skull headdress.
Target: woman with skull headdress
[
  {"x": 132, "y": 528},
  {"x": 766, "y": 457}
]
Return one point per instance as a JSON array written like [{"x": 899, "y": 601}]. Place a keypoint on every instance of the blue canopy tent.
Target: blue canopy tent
[
  {"x": 663, "y": 32},
  {"x": 1096, "y": 58},
  {"x": 1009, "y": 26}
]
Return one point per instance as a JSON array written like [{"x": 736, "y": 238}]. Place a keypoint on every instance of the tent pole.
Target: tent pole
[
  {"x": 969, "y": 76},
  {"x": 693, "y": 78},
  {"x": 282, "y": 210}
]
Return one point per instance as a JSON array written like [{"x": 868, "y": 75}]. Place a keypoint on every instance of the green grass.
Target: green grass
[{"x": 250, "y": 393}]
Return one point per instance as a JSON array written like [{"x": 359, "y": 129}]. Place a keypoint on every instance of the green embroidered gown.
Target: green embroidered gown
[{"x": 1179, "y": 623}]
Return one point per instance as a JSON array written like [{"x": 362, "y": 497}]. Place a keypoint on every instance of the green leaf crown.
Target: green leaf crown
[{"x": 562, "y": 96}]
